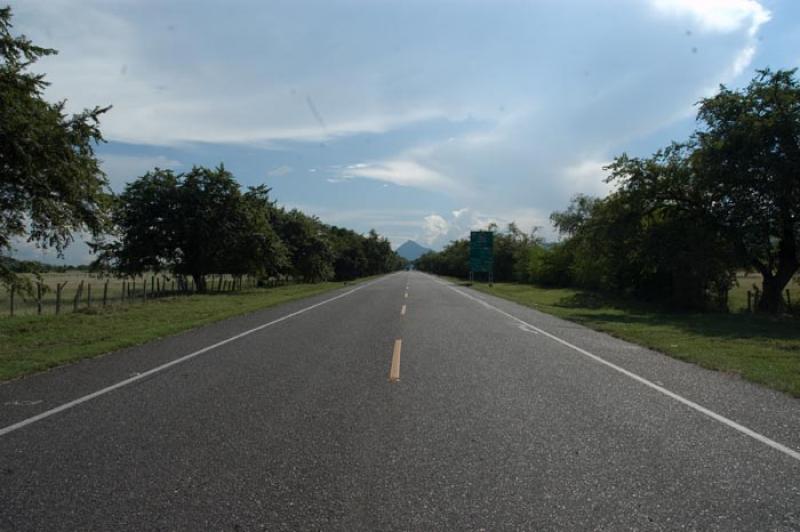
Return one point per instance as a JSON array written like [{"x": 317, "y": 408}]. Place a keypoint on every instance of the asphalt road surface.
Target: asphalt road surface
[{"x": 405, "y": 403}]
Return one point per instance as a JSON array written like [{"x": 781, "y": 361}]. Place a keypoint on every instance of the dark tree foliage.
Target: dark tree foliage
[
  {"x": 748, "y": 161},
  {"x": 453, "y": 260},
  {"x": 653, "y": 252},
  {"x": 50, "y": 181},
  {"x": 310, "y": 254},
  {"x": 201, "y": 223},
  {"x": 194, "y": 224},
  {"x": 512, "y": 252},
  {"x": 348, "y": 249},
  {"x": 378, "y": 253}
]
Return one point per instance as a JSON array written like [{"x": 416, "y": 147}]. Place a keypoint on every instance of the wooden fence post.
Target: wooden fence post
[
  {"x": 39, "y": 298},
  {"x": 59, "y": 288},
  {"x": 749, "y": 301},
  {"x": 77, "y": 298},
  {"x": 105, "y": 293},
  {"x": 88, "y": 295},
  {"x": 13, "y": 290}
]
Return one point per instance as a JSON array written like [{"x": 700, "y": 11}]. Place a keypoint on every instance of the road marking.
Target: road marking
[
  {"x": 23, "y": 402},
  {"x": 403, "y": 311},
  {"x": 394, "y": 371},
  {"x": 526, "y": 329},
  {"x": 405, "y": 296},
  {"x": 157, "y": 369},
  {"x": 691, "y": 404}
]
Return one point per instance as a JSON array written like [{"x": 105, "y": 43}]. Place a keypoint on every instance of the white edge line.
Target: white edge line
[
  {"x": 691, "y": 404},
  {"x": 152, "y": 371}
]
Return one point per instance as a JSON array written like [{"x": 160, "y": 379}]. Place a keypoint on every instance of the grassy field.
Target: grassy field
[
  {"x": 756, "y": 347},
  {"x": 34, "y": 343}
]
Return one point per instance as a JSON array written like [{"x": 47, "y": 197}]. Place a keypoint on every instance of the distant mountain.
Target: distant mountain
[{"x": 410, "y": 250}]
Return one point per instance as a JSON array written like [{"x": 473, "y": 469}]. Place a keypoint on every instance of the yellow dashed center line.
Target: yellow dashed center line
[{"x": 394, "y": 372}]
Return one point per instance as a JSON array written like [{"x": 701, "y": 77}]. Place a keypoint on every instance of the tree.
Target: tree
[
  {"x": 311, "y": 257},
  {"x": 453, "y": 260},
  {"x": 748, "y": 167},
  {"x": 379, "y": 254},
  {"x": 349, "y": 261},
  {"x": 254, "y": 248},
  {"x": 512, "y": 249},
  {"x": 194, "y": 224},
  {"x": 51, "y": 184},
  {"x": 646, "y": 238}
]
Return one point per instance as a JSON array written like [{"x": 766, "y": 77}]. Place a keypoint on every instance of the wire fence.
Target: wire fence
[{"x": 71, "y": 292}]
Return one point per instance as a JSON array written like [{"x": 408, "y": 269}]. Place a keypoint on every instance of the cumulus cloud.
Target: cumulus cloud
[
  {"x": 434, "y": 227},
  {"x": 400, "y": 172}
]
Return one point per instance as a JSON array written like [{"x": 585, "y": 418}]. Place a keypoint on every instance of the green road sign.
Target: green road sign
[{"x": 481, "y": 259}]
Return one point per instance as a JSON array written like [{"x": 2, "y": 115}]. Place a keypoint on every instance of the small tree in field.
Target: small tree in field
[{"x": 50, "y": 181}]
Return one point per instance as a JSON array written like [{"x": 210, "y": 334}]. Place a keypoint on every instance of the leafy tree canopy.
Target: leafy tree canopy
[{"x": 50, "y": 182}]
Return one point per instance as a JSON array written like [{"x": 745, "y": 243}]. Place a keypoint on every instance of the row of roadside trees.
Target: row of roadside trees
[
  {"x": 679, "y": 223},
  {"x": 202, "y": 223}
]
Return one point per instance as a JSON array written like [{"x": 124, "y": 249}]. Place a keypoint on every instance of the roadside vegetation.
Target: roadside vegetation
[
  {"x": 678, "y": 225},
  {"x": 34, "y": 343},
  {"x": 687, "y": 242}
]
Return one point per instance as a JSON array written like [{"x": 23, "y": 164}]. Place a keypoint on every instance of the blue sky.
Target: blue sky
[{"x": 422, "y": 119}]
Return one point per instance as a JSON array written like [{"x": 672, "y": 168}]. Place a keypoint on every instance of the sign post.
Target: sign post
[{"x": 481, "y": 256}]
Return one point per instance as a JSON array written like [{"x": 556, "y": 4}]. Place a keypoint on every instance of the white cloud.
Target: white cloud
[
  {"x": 279, "y": 171},
  {"x": 718, "y": 15},
  {"x": 404, "y": 173},
  {"x": 587, "y": 177},
  {"x": 434, "y": 227},
  {"x": 742, "y": 60}
]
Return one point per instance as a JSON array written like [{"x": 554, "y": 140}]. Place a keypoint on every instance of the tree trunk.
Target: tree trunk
[
  {"x": 199, "y": 282},
  {"x": 772, "y": 287},
  {"x": 774, "y": 284},
  {"x": 771, "y": 297}
]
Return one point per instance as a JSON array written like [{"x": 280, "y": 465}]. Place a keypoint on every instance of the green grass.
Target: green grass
[
  {"x": 758, "y": 348},
  {"x": 35, "y": 343}
]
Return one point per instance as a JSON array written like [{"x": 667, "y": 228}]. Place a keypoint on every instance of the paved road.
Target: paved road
[{"x": 503, "y": 418}]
